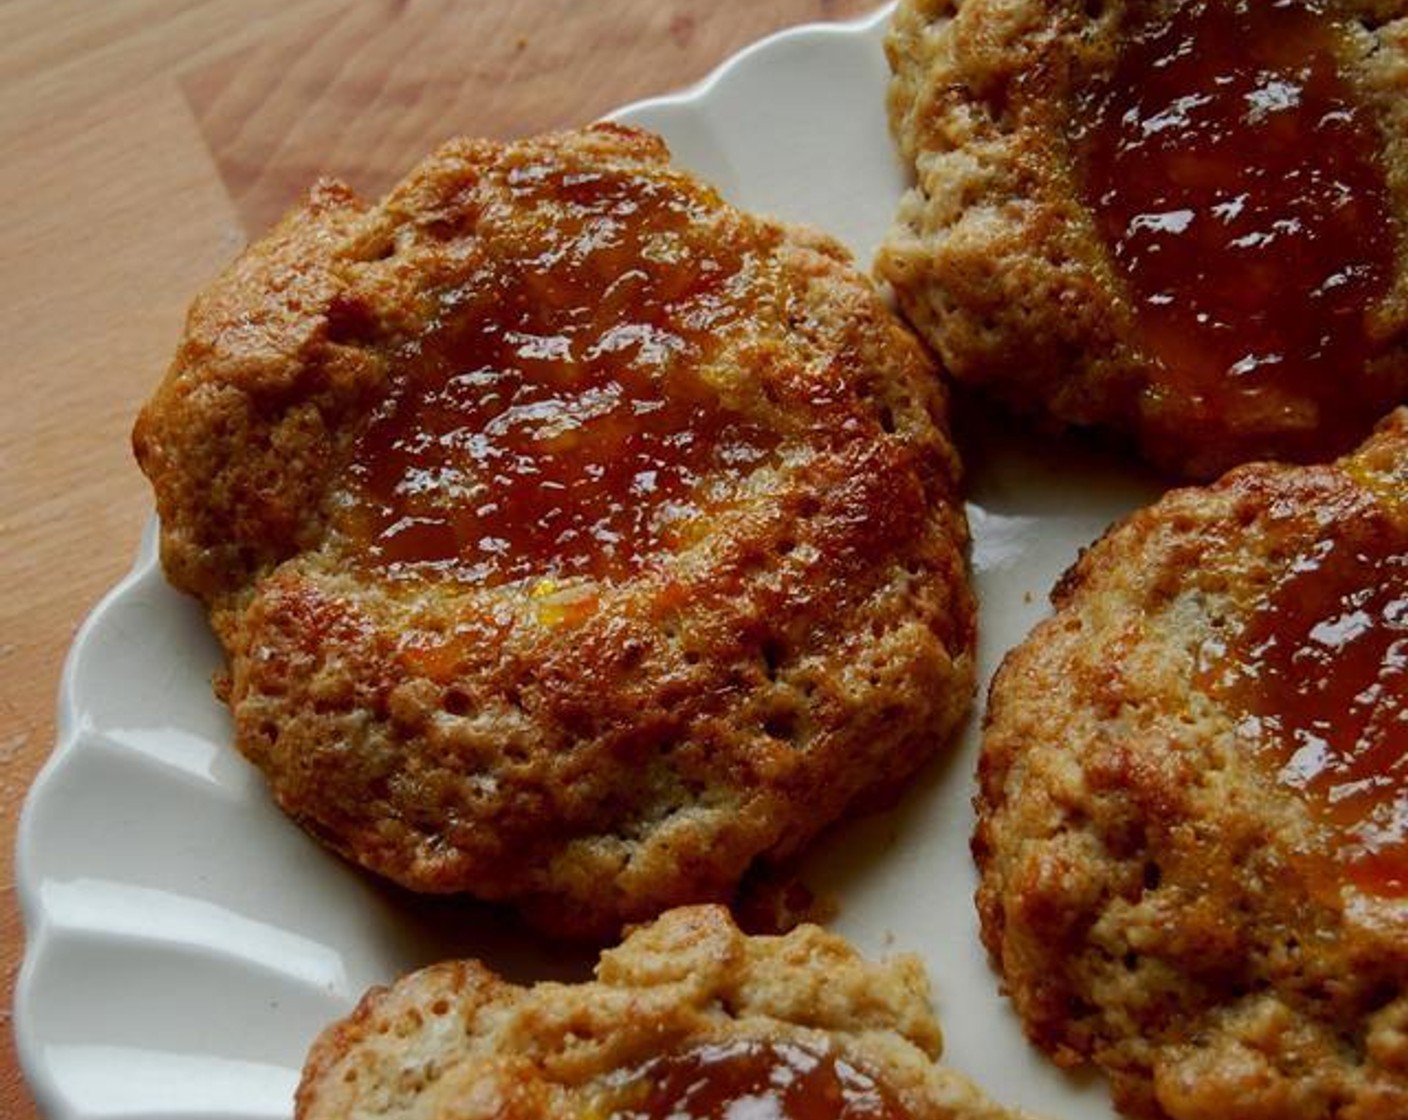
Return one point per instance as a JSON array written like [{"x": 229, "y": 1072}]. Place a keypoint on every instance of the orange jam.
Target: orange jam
[
  {"x": 1320, "y": 670},
  {"x": 751, "y": 1080},
  {"x": 1238, "y": 185},
  {"x": 553, "y": 420}
]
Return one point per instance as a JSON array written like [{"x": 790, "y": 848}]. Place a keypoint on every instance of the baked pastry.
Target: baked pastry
[
  {"x": 1192, "y": 839},
  {"x": 685, "y": 1018},
  {"x": 575, "y": 539},
  {"x": 1179, "y": 222}
]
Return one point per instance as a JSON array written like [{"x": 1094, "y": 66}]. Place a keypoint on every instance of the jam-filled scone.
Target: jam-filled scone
[
  {"x": 1193, "y": 834},
  {"x": 687, "y": 1018},
  {"x": 575, "y": 538},
  {"x": 1179, "y": 221}
]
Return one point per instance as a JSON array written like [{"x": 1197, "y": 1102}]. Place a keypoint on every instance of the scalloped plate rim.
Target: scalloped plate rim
[{"x": 71, "y": 734}]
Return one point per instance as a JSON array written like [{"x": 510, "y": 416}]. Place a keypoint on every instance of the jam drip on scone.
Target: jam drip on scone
[
  {"x": 751, "y": 1077},
  {"x": 1237, "y": 184},
  {"x": 1320, "y": 671},
  {"x": 554, "y": 420}
]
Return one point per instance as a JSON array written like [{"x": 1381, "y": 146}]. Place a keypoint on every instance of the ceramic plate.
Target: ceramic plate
[{"x": 186, "y": 942}]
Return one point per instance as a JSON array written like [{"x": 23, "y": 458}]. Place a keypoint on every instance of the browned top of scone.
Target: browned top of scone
[
  {"x": 1178, "y": 222},
  {"x": 685, "y": 1014},
  {"x": 1192, "y": 842},
  {"x": 575, "y": 538}
]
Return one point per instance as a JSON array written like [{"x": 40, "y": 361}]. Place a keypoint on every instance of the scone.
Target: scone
[
  {"x": 575, "y": 538},
  {"x": 1182, "y": 223},
  {"x": 1193, "y": 834},
  {"x": 687, "y": 1017}
]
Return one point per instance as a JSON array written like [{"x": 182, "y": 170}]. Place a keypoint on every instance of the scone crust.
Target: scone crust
[
  {"x": 1145, "y": 888},
  {"x": 454, "y": 1041},
  {"x": 806, "y": 652},
  {"x": 998, "y": 263}
]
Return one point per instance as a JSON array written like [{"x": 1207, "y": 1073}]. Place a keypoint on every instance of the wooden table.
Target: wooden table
[{"x": 143, "y": 141}]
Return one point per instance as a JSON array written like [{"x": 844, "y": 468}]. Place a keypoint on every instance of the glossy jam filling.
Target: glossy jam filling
[
  {"x": 553, "y": 421},
  {"x": 1320, "y": 670},
  {"x": 1239, "y": 186},
  {"x": 751, "y": 1080}
]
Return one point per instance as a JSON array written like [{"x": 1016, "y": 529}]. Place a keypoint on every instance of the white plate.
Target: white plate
[{"x": 186, "y": 942}]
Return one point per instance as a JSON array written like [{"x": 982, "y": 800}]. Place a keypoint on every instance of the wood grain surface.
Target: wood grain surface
[{"x": 143, "y": 141}]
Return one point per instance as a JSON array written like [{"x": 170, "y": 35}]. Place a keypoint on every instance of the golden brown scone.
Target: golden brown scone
[
  {"x": 1192, "y": 838},
  {"x": 1186, "y": 229},
  {"x": 801, "y": 1023},
  {"x": 575, "y": 539}
]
